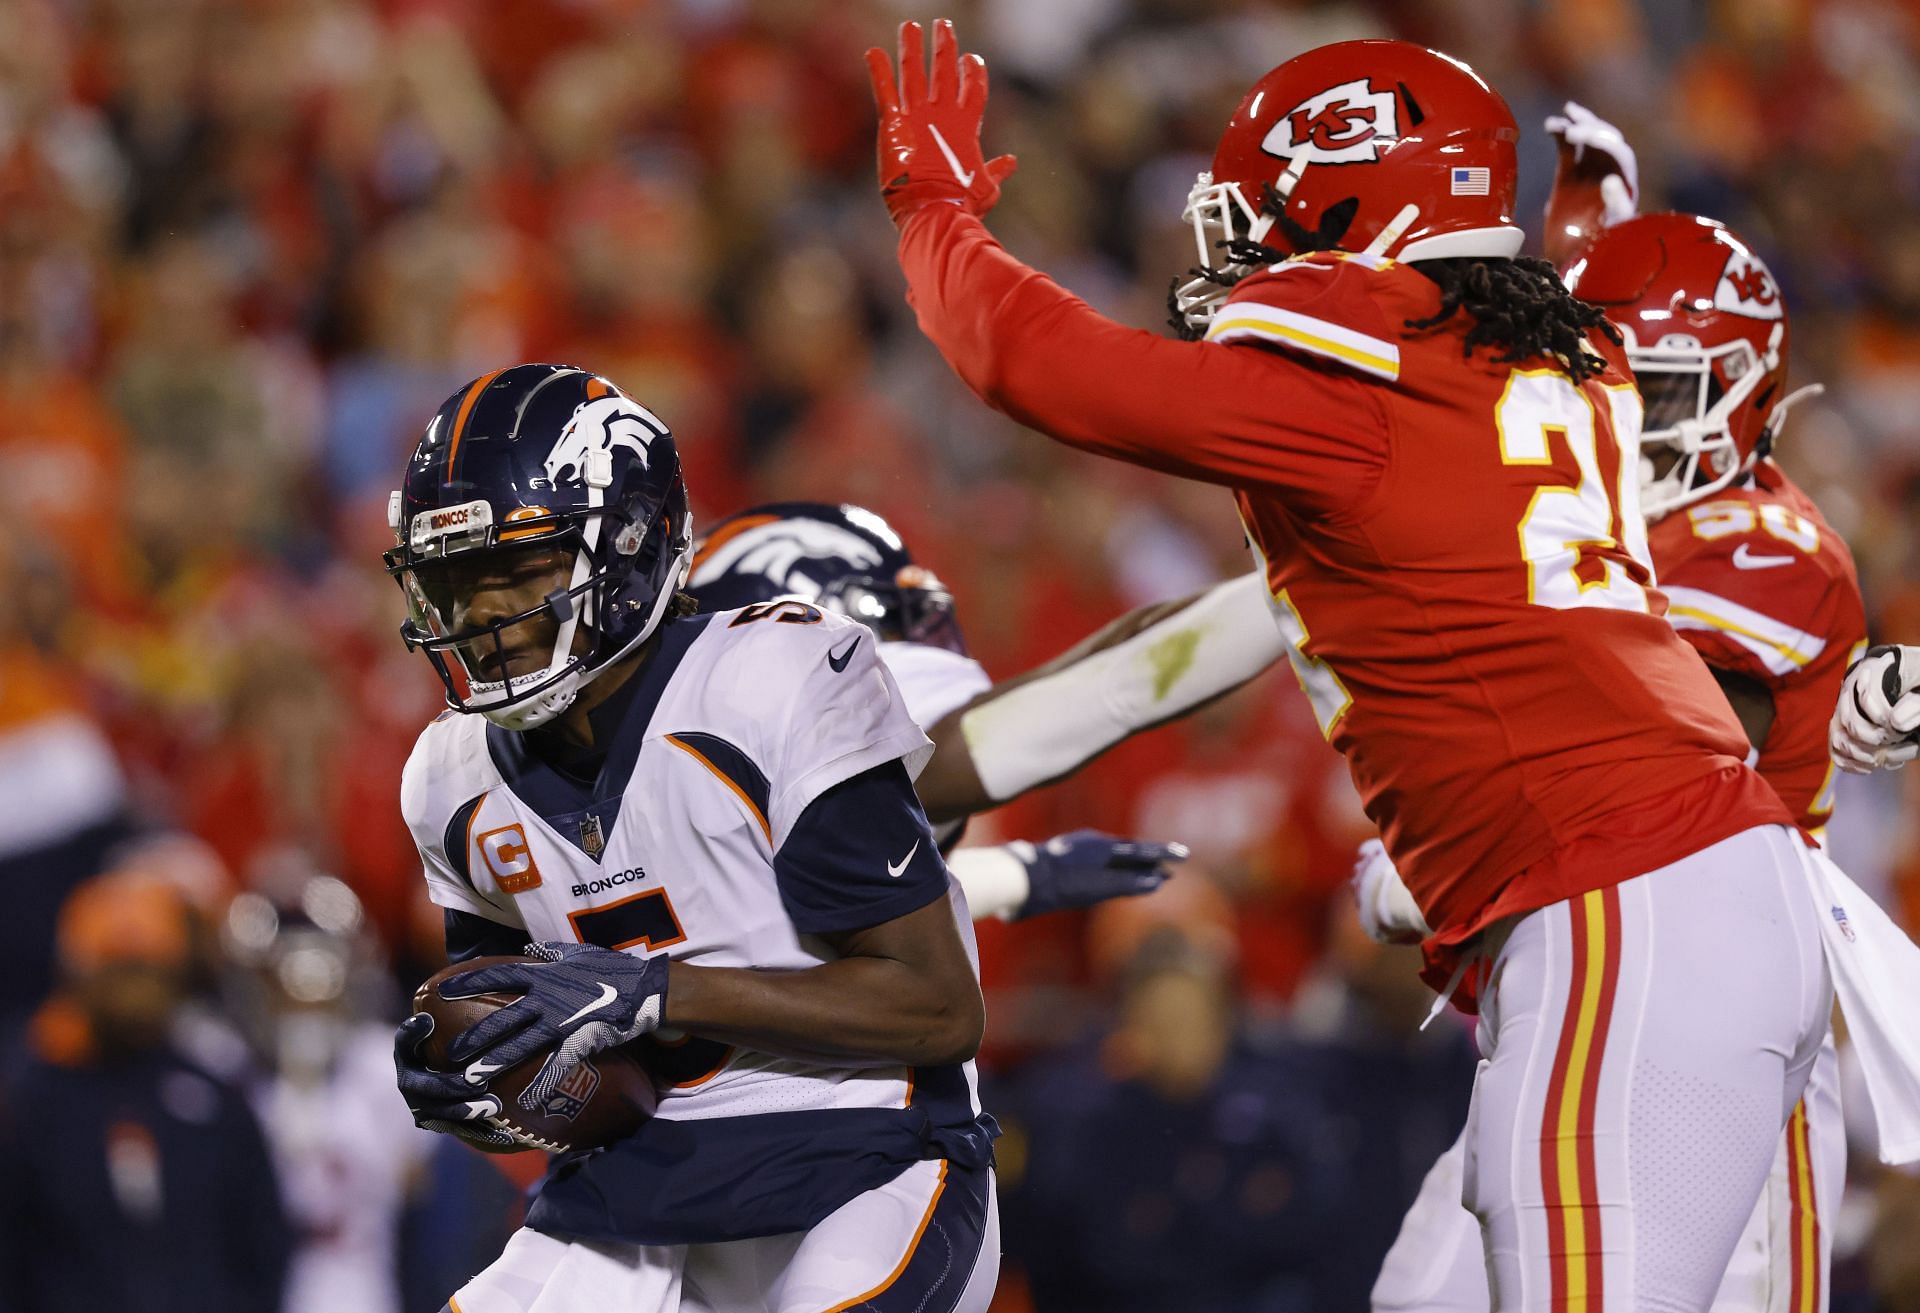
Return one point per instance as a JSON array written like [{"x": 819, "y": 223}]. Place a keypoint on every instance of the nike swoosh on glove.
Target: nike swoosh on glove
[
  {"x": 1088, "y": 867},
  {"x": 578, "y": 1000},
  {"x": 930, "y": 131},
  {"x": 1876, "y": 723},
  {"x": 443, "y": 1101}
]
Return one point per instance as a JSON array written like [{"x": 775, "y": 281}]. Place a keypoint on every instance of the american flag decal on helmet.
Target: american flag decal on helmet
[{"x": 1471, "y": 181}]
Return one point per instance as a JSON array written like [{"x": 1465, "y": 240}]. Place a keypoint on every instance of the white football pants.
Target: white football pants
[
  {"x": 1641, "y": 1102},
  {"x": 926, "y": 1242}
]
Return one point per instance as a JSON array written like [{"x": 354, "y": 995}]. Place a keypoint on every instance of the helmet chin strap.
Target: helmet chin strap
[
  {"x": 539, "y": 710},
  {"x": 565, "y": 683},
  {"x": 1788, "y": 402}
]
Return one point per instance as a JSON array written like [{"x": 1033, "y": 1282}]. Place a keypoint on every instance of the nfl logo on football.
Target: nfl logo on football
[{"x": 571, "y": 1094}]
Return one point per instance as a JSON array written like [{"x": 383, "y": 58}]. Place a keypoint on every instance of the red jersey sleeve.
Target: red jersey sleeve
[
  {"x": 1309, "y": 431},
  {"x": 1319, "y": 308}
]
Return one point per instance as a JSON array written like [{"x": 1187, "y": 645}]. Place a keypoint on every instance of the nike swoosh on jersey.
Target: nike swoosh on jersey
[
  {"x": 893, "y": 870},
  {"x": 839, "y": 663},
  {"x": 1745, "y": 559},
  {"x": 607, "y": 995},
  {"x": 953, "y": 161}
]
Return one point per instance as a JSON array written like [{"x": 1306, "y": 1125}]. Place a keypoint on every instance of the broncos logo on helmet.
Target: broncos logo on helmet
[
  {"x": 550, "y": 459},
  {"x": 842, "y": 558}
]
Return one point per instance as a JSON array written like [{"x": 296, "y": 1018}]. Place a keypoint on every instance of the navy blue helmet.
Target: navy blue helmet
[
  {"x": 548, "y": 461},
  {"x": 842, "y": 558}
]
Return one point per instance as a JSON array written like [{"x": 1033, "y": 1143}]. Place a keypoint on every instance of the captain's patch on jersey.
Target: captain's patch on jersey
[{"x": 510, "y": 859}]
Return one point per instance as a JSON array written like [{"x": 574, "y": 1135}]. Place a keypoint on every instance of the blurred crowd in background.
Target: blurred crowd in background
[{"x": 246, "y": 248}]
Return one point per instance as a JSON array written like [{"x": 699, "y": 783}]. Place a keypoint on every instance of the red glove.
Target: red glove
[{"x": 930, "y": 136}]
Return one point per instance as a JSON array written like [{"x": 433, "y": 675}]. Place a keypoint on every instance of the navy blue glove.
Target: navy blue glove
[
  {"x": 443, "y": 1101},
  {"x": 578, "y": 1000},
  {"x": 1088, "y": 867}
]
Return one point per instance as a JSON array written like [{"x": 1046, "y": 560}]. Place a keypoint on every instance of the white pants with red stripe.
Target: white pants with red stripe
[
  {"x": 1439, "y": 1265},
  {"x": 926, "y": 1242},
  {"x": 1648, "y": 1047}
]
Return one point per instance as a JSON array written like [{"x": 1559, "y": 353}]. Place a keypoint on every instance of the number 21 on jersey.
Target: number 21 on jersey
[{"x": 1573, "y": 535}]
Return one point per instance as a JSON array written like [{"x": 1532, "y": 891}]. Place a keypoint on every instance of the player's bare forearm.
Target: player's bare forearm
[
  {"x": 903, "y": 992},
  {"x": 950, "y": 787}
]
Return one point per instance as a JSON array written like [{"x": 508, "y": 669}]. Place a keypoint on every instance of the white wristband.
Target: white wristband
[{"x": 993, "y": 879}]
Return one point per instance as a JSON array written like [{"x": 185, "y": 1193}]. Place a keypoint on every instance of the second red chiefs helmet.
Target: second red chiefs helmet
[
  {"x": 1706, "y": 330},
  {"x": 1378, "y": 147}
]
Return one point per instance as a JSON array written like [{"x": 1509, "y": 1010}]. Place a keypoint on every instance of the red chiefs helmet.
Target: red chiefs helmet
[
  {"x": 1378, "y": 147},
  {"x": 1706, "y": 330}
]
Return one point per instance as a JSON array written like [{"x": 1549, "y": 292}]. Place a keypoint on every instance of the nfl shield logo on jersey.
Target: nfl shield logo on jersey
[
  {"x": 571, "y": 1094},
  {"x": 593, "y": 840},
  {"x": 1840, "y": 919}
]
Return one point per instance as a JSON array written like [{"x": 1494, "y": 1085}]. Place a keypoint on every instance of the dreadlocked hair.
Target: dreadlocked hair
[{"x": 1519, "y": 307}]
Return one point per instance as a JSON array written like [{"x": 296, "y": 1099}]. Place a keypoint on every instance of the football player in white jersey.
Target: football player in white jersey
[
  {"x": 706, "y": 827},
  {"x": 849, "y": 560}
]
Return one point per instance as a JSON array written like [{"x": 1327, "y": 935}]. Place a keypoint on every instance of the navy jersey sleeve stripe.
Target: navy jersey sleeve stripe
[
  {"x": 734, "y": 768},
  {"x": 470, "y": 936},
  {"x": 455, "y": 842},
  {"x": 861, "y": 854}
]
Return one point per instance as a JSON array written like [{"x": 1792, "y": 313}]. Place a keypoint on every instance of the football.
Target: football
[{"x": 607, "y": 1097}]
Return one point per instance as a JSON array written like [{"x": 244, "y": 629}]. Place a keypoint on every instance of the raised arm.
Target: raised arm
[
  {"x": 1150, "y": 666},
  {"x": 1239, "y": 415}
]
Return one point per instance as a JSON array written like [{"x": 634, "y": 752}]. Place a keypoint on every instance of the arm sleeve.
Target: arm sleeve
[
  {"x": 1243, "y": 416},
  {"x": 861, "y": 854},
  {"x": 1052, "y": 725}
]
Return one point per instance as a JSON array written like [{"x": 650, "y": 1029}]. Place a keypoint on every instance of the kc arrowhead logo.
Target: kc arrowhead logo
[{"x": 1347, "y": 124}]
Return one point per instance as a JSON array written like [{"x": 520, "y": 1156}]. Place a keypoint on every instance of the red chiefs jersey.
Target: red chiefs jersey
[
  {"x": 1762, "y": 586},
  {"x": 1454, "y": 548}
]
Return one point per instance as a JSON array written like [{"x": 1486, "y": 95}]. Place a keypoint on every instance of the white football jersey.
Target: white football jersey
[
  {"x": 932, "y": 680},
  {"x": 740, "y": 721}
]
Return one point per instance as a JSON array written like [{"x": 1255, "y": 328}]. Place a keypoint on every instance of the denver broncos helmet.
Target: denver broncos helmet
[
  {"x": 1382, "y": 148},
  {"x": 540, "y": 458},
  {"x": 843, "y": 558},
  {"x": 1706, "y": 331}
]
